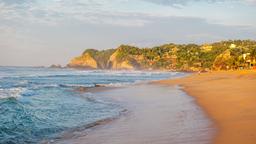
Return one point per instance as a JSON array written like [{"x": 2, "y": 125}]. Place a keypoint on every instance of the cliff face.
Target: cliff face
[
  {"x": 84, "y": 61},
  {"x": 115, "y": 63},
  {"x": 222, "y": 60}
]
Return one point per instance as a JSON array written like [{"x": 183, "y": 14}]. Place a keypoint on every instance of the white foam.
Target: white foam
[
  {"x": 11, "y": 93},
  {"x": 114, "y": 84},
  {"x": 119, "y": 72},
  {"x": 76, "y": 85}
]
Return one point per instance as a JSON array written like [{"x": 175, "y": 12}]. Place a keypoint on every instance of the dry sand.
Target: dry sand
[{"x": 229, "y": 98}]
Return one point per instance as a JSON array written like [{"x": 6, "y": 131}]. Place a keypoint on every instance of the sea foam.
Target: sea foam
[{"x": 11, "y": 93}]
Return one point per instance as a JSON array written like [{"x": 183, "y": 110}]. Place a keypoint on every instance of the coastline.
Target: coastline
[
  {"x": 228, "y": 97},
  {"x": 156, "y": 114}
]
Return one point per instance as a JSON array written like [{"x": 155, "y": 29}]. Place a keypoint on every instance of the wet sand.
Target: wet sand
[
  {"x": 156, "y": 115},
  {"x": 229, "y": 98}
]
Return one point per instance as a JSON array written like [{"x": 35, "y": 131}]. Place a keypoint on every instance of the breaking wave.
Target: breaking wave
[
  {"x": 41, "y": 103},
  {"x": 11, "y": 93}
]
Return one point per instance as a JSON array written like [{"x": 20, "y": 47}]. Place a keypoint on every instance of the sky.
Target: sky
[{"x": 45, "y": 32}]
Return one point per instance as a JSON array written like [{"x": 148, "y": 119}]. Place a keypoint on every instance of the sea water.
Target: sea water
[{"x": 40, "y": 103}]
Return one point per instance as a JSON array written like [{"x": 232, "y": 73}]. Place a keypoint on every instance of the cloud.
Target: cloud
[
  {"x": 57, "y": 12},
  {"x": 54, "y": 12},
  {"x": 180, "y": 3},
  {"x": 251, "y": 1}
]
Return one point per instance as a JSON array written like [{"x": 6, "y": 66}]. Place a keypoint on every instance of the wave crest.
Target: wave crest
[{"x": 11, "y": 93}]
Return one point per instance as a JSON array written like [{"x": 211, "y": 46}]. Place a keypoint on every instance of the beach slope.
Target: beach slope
[
  {"x": 229, "y": 98},
  {"x": 156, "y": 115}
]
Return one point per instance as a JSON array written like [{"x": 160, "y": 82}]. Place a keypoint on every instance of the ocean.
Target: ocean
[{"x": 39, "y": 104}]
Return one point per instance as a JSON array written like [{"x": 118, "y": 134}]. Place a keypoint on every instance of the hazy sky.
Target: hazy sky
[{"x": 43, "y": 32}]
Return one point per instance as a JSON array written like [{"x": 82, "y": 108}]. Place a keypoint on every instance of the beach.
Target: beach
[
  {"x": 85, "y": 107},
  {"x": 202, "y": 108},
  {"x": 40, "y": 104},
  {"x": 128, "y": 72},
  {"x": 156, "y": 114},
  {"x": 228, "y": 97}
]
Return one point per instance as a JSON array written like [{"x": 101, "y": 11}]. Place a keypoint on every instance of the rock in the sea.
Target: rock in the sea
[{"x": 56, "y": 66}]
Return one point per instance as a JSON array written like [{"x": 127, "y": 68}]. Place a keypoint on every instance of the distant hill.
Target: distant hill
[{"x": 232, "y": 54}]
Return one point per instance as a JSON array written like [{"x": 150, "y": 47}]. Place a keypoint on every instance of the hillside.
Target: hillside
[{"x": 224, "y": 55}]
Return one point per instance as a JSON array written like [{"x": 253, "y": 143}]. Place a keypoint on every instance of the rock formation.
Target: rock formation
[{"x": 84, "y": 61}]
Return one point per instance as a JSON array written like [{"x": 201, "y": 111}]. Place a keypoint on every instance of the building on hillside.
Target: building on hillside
[
  {"x": 206, "y": 48},
  {"x": 232, "y": 46}
]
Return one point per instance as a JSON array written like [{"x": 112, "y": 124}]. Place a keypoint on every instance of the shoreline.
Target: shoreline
[
  {"x": 156, "y": 114},
  {"x": 83, "y": 130},
  {"x": 228, "y": 98}
]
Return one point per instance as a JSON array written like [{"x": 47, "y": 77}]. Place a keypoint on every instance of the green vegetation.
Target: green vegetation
[
  {"x": 101, "y": 57},
  {"x": 224, "y": 55}
]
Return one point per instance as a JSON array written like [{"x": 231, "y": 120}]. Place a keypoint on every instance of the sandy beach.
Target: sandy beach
[
  {"x": 156, "y": 115},
  {"x": 213, "y": 107},
  {"x": 229, "y": 99}
]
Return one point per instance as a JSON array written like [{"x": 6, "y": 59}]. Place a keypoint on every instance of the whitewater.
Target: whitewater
[{"x": 38, "y": 104}]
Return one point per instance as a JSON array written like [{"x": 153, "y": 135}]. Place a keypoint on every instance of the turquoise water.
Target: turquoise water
[{"x": 39, "y": 103}]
